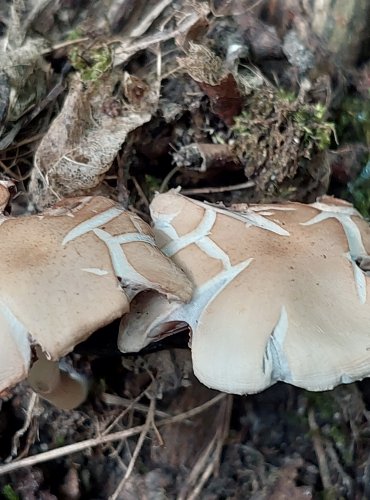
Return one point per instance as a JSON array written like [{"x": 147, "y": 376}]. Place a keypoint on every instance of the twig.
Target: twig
[
  {"x": 126, "y": 48},
  {"x": 65, "y": 44},
  {"x": 69, "y": 449},
  {"x": 208, "y": 462},
  {"x": 138, "y": 447},
  {"x": 144, "y": 23},
  {"x": 199, "y": 466},
  {"x": 221, "y": 189},
  {"x": 111, "y": 399},
  {"x": 29, "y": 414},
  {"x": 346, "y": 479},
  {"x": 366, "y": 478},
  {"x": 141, "y": 193},
  {"x": 194, "y": 411},
  {"x": 167, "y": 179},
  {"x": 28, "y": 140},
  {"x": 90, "y": 443},
  {"x": 12, "y": 175},
  {"x": 122, "y": 413},
  {"x": 319, "y": 450},
  {"x": 203, "y": 479},
  {"x": 156, "y": 432},
  {"x": 244, "y": 11}
]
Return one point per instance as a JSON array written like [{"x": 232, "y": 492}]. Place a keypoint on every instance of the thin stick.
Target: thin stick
[
  {"x": 167, "y": 179},
  {"x": 141, "y": 193},
  {"x": 319, "y": 450},
  {"x": 90, "y": 443},
  {"x": 108, "y": 398},
  {"x": 23, "y": 142},
  {"x": 198, "y": 468},
  {"x": 27, "y": 422},
  {"x": 221, "y": 189},
  {"x": 70, "y": 448},
  {"x": 65, "y": 44},
  {"x": 203, "y": 470},
  {"x": 138, "y": 447},
  {"x": 127, "y": 48},
  {"x": 203, "y": 479},
  {"x": 194, "y": 411}
]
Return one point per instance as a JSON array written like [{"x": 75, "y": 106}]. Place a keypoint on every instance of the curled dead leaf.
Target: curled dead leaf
[{"x": 84, "y": 139}]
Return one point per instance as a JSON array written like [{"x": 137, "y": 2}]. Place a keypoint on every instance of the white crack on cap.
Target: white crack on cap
[{"x": 71, "y": 271}]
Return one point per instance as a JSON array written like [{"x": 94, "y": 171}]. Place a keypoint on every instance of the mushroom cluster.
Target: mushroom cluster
[
  {"x": 269, "y": 292},
  {"x": 281, "y": 292},
  {"x": 65, "y": 274}
]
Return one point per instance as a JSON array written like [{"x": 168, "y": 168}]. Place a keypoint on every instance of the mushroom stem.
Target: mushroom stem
[{"x": 64, "y": 389}]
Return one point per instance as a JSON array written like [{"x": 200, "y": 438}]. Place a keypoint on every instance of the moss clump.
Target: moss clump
[
  {"x": 75, "y": 34},
  {"x": 310, "y": 120},
  {"x": 91, "y": 63},
  {"x": 360, "y": 191},
  {"x": 324, "y": 403},
  {"x": 151, "y": 185},
  {"x": 326, "y": 408},
  {"x": 275, "y": 135},
  {"x": 354, "y": 126},
  {"x": 9, "y": 493},
  {"x": 354, "y": 120}
]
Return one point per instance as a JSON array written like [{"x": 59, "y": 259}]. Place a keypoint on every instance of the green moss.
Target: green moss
[
  {"x": 354, "y": 120},
  {"x": 92, "y": 63},
  {"x": 59, "y": 441},
  {"x": 330, "y": 494},
  {"x": 360, "y": 191},
  {"x": 310, "y": 119},
  {"x": 354, "y": 126},
  {"x": 152, "y": 184},
  {"x": 326, "y": 407},
  {"x": 9, "y": 493},
  {"x": 75, "y": 34},
  {"x": 276, "y": 134},
  {"x": 323, "y": 403}
]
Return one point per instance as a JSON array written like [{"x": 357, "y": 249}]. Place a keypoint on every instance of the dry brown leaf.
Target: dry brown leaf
[
  {"x": 221, "y": 87},
  {"x": 84, "y": 139}
]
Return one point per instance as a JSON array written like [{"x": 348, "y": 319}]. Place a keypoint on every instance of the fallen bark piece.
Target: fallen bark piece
[
  {"x": 281, "y": 292},
  {"x": 70, "y": 271},
  {"x": 84, "y": 139},
  {"x": 215, "y": 80}
]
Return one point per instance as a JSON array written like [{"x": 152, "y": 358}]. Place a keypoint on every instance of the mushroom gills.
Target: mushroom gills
[{"x": 149, "y": 320}]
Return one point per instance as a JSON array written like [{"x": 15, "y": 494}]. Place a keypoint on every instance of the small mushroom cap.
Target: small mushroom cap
[
  {"x": 69, "y": 272},
  {"x": 281, "y": 291},
  {"x": 63, "y": 387}
]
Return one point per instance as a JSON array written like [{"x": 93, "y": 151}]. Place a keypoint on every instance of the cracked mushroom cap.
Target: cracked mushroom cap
[
  {"x": 5, "y": 195},
  {"x": 282, "y": 292},
  {"x": 70, "y": 271}
]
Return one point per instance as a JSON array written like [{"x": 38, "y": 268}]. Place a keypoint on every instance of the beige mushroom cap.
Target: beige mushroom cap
[
  {"x": 70, "y": 271},
  {"x": 4, "y": 197},
  {"x": 281, "y": 293},
  {"x": 5, "y": 186}
]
